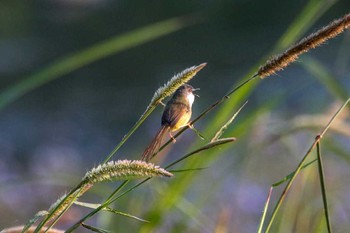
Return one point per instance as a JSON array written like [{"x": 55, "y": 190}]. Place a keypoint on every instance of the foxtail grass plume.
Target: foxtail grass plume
[
  {"x": 174, "y": 83},
  {"x": 312, "y": 41},
  {"x": 123, "y": 170},
  {"x": 113, "y": 170}
]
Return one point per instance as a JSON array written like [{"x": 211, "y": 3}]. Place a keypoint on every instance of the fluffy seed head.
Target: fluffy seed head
[
  {"x": 278, "y": 62},
  {"x": 174, "y": 83},
  {"x": 124, "y": 170}
]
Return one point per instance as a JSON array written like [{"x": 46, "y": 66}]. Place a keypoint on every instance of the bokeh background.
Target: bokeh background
[{"x": 50, "y": 136}]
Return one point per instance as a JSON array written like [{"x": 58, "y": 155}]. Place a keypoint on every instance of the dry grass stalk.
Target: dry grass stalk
[
  {"x": 315, "y": 39},
  {"x": 19, "y": 229}
]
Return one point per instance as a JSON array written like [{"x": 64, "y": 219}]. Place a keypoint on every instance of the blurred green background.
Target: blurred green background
[{"x": 54, "y": 132}]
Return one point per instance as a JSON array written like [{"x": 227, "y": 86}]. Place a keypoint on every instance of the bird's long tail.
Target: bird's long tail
[{"x": 155, "y": 144}]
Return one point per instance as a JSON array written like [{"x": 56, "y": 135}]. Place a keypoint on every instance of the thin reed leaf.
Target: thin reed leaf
[
  {"x": 203, "y": 148},
  {"x": 95, "y": 229},
  {"x": 197, "y": 133},
  {"x": 125, "y": 214},
  {"x": 262, "y": 220},
  {"x": 323, "y": 187},
  {"x": 288, "y": 177},
  {"x": 297, "y": 170},
  {"x": 94, "y": 53},
  {"x": 188, "y": 170},
  {"x": 94, "y": 206},
  {"x": 225, "y": 126}
]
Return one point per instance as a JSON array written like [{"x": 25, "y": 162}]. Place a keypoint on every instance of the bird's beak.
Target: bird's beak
[{"x": 195, "y": 89}]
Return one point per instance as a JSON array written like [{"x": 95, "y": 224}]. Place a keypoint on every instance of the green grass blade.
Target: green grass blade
[
  {"x": 203, "y": 148},
  {"x": 125, "y": 214},
  {"x": 262, "y": 220},
  {"x": 94, "y": 206},
  {"x": 94, "y": 53},
  {"x": 188, "y": 170},
  {"x": 288, "y": 177},
  {"x": 95, "y": 229},
  {"x": 219, "y": 133},
  {"x": 323, "y": 187}
]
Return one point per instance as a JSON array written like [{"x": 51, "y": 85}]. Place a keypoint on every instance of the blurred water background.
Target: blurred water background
[{"x": 52, "y": 135}]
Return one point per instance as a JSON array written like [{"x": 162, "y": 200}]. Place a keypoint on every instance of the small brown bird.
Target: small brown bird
[{"x": 176, "y": 115}]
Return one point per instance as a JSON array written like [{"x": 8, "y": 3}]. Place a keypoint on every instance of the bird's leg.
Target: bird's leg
[{"x": 172, "y": 137}]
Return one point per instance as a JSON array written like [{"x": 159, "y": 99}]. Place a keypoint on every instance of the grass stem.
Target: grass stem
[{"x": 323, "y": 187}]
